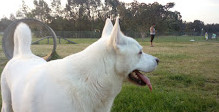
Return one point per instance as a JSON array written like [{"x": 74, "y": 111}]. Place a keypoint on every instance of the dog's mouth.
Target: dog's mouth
[{"x": 138, "y": 78}]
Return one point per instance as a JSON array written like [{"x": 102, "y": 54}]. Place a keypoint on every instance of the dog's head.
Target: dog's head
[{"x": 130, "y": 58}]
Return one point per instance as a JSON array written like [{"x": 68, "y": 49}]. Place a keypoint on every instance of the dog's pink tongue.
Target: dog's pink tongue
[{"x": 145, "y": 79}]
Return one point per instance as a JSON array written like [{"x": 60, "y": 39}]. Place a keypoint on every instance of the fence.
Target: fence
[
  {"x": 94, "y": 34},
  {"x": 166, "y": 36},
  {"x": 78, "y": 34}
]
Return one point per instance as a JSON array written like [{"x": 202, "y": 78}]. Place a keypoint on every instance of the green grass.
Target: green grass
[
  {"x": 186, "y": 80},
  {"x": 136, "y": 99}
]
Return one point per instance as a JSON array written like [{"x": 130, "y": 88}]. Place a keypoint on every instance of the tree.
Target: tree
[
  {"x": 194, "y": 28},
  {"x": 24, "y": 12},
  {"x": 169, "y": 5},
  {"x": 211, "y": 28},
  {"x": 197, "y": 26},
  {"x": 112, "y": 5},
  {"x": 56, "y": 10},
  {"x": 4, "y": 23},
  {"x": 81, "y": 8},
  {"x": 41, "y": 11},
  {"x": 174, "y": 22}
]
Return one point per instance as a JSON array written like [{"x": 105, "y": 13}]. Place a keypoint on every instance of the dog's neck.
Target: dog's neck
[
  {"x": 95, "y": 58},
  {"x": 98, "y": 72}
]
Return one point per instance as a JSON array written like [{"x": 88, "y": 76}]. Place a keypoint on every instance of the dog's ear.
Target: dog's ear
[
  {"x": 107, "y": 28},
  {"x": 116, "y": 37}
]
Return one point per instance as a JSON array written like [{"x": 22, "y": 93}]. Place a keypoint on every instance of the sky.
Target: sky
[{"x": 204, "y": 10}]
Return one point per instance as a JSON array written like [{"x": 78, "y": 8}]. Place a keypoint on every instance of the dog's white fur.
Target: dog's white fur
[{"x": 87, "y": 81}]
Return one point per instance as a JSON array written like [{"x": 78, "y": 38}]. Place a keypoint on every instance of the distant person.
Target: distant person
[
  {"x": 213, "y": 36},
  {"x": 206, "y": 35},
  {"x": 152, "y": 33}
]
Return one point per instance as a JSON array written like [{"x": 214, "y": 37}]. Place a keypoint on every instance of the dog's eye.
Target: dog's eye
[{"x": 140, "y": 52}]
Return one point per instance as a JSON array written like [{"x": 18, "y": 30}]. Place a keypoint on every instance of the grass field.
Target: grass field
[{"x": 186, "y": 80}]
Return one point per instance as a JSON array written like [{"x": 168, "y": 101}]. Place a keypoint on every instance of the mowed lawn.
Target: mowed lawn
[{"x": 186, "y": 80}]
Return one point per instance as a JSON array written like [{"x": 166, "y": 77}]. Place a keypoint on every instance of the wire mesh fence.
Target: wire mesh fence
[
  {"x": 145, "y": 36},
  {"x": 167, "y": 36},
  {"x": 78, "y": 34}
]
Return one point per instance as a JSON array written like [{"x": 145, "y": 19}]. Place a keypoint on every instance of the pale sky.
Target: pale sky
[{"x": 204, "y": 10}]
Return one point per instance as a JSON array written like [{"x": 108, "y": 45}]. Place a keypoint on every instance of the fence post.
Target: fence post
[
  {"x": 48, "y": 40},
  {"x": 59, "y": 39}
]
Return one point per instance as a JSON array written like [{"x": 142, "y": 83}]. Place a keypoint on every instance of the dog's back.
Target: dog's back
[
  {"x": 23, "y": 58},
  {"x": 22, "y": 62}
]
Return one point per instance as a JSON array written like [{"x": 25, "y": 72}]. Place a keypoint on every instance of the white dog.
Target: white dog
[{"x": 87, "y": 81}]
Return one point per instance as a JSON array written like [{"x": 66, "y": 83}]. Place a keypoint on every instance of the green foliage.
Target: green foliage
[
  {"x": 41, "y": 11},
  {"x": 4, "y": 23}
]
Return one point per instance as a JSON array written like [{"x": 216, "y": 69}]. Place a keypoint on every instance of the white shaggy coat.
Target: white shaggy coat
[{"x": 87, "y": 81}]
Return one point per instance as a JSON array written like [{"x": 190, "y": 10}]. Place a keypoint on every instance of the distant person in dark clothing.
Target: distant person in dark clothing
[{"x": 152, "y": 33}]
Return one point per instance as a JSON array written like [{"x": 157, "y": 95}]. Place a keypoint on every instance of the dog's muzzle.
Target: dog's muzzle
[{"x": 139, "y": 79}]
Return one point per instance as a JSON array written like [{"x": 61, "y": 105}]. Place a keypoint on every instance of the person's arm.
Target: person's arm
[{"x": 151, "y": 29}]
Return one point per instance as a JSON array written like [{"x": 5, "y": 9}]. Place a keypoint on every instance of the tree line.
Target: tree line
[{"x": 90, "y": 15}]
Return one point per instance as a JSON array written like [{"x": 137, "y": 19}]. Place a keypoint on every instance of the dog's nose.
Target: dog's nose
[{"x": 157, "y": 60}]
